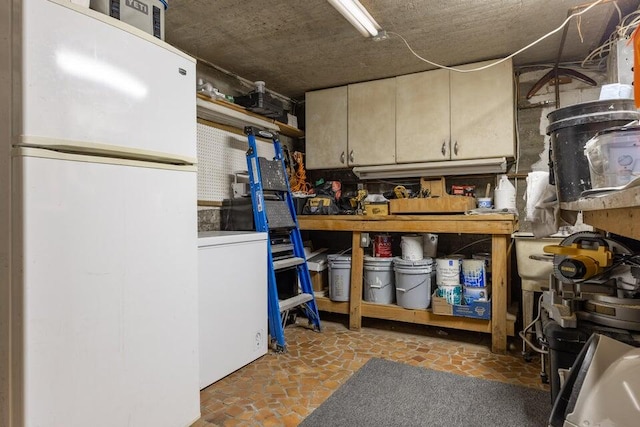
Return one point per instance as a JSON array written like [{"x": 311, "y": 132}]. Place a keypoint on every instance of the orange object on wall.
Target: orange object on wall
[{"x": 635, "y": 37}]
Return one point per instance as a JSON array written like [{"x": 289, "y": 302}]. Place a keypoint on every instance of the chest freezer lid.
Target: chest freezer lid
[{"x": 214, "y": 238}]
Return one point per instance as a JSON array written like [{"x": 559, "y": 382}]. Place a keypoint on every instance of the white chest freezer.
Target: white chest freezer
[{"x": 232, "y": 269}]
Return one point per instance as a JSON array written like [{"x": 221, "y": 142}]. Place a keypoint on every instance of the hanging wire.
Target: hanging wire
[{"x": 459, "y": 70}]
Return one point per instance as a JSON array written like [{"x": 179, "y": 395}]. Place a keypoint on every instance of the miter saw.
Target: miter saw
[{"x": 595, "y": 278}]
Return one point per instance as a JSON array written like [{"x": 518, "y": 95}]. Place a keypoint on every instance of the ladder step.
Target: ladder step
[
  {"x": 289, "y": 303},
  {"x": 278, "y": 214},
  {"x": 273, "y": 175},
  {"x": 288, "y": 262},
  {"x": 282, "y": 247}
]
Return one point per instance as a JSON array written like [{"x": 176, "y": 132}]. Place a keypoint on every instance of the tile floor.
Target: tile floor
[{"x": 282, "y": 389}]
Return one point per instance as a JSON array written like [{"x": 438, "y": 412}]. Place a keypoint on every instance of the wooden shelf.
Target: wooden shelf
[
  {"x": 616, "y": 212},
  {"x": 499, "y": 226},
  {"x": 227, "y": 113}
]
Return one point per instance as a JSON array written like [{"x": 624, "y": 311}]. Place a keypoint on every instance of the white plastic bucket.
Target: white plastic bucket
[
  {"x": 411, "y": 246},
  {"x": 474, "y": 273},
  {"x": 379, "y": 280},
  {"x": 339, "y": 277},
  {"x": 486, "y": 256},
  {"x": 451, "y": 293},
  {"x": 429, "y": 245},
  {"x": 447, "y": 271},
  {"x": 413, "y": 282}
]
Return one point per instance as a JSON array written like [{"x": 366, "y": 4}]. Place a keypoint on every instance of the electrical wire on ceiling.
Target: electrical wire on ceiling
[
  {"x": 626, "y": 25},
  {"x": 459, "y": 70}
]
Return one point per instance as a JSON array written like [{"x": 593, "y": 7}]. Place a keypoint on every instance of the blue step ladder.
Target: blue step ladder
[{"x": 274, "y": 213}]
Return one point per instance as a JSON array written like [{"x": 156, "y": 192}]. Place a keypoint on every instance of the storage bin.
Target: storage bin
[
  {"x": 147, "y": 15},
  {"x": 614, "y": 156}
]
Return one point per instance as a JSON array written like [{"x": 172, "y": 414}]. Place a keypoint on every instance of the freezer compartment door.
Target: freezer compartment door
[
  {"x": 109, "y": 293},
  {"x": 87, "y": 79}
]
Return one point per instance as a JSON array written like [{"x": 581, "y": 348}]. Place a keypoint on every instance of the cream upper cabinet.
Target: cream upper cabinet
[
  {"x": 431, "y": 116},
  {"x": 326, "y": 128},
  {"x": 422, "y": 117},
  {"x": 372, "y": 123},
  {"x": 482, "y": 112}
]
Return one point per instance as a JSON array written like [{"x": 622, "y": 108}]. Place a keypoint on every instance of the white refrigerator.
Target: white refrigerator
[{"x": 104, "y": 319}]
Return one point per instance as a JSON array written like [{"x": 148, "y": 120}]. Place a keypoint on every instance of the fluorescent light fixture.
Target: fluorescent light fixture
[
  {"x": 358, "y": 16},
  {"x": 416, "y": 170}
]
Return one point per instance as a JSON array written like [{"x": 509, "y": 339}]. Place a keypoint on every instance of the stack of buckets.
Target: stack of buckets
[
  {"x": 379, "y": 281},
  {"x": 387, "y": 279},
  {"x": 463, "y": 281},
  {"x": 413, "y": 273}
]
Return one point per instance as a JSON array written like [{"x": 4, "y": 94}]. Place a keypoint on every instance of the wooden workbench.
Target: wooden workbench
[
  {"x": 499, "y": 226},
  {"x": 615, "y": 212}
]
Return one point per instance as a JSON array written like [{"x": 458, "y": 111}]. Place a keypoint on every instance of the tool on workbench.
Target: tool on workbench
[
  {"x": 357, "y": 202},
  {"x": 438, "y": 200},
  {"x": 274, "y": 212}
]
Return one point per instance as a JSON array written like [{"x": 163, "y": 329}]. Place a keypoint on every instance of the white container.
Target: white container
[
  {"x": 474, "y": 273},
  {"x": 413, "y": 282},
  {"x": 379, "y": 280},
  {"x": 614, "y": 157},
  {"x": 448, "y": 271},
  {"x": 486, "y": 257},
  {"x": 505, "y": 194},
  {"x": 485, "y": 202},
  {"x": 411, "y": 246},
  {"x": 147, "y": 15},
  {"x": 339, "y": 277}
]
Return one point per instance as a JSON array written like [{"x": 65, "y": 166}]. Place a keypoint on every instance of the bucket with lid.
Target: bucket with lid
[
  {"x": 413, "y": 282},
  {"x": 339, "y": 277},
  {"x": 570, "y": 128},
  {"x": 379, "y": 280},
  {"x": 474, "y": 273},
  {"x": 448, "y": 271}
]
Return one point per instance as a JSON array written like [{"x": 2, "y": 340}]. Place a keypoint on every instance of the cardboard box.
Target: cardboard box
[
  {"x": 318, "y": 270},
  {"x": 376, "y": 208},
  {"x": 319, "y": 280},
  {"x": 475, "y": 310}
]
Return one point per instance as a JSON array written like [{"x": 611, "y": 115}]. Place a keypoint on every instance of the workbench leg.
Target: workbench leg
[
  {"x": 355, "y": 294},
  {"x": 499, "y": 243}
]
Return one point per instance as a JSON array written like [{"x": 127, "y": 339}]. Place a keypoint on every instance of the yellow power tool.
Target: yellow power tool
[{"x": 581, "y": 256}]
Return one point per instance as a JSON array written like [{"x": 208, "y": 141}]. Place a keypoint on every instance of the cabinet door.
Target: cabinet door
[
  {"x": 422, "y": 117},
  {"x": 482, "y": 119},
  {"x": 326, "y": 128},
  {"x": 372, "y": 123}
]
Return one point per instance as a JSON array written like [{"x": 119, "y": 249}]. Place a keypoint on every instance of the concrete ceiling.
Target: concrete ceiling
[{"x": 300, "y": 45}]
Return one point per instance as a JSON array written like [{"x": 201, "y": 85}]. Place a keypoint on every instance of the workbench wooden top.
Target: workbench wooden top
[{"x": 480, "y": 224}]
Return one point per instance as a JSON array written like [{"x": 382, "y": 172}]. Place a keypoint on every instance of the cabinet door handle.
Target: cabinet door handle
[
  {"x": 444, "y": 149},
  {"x": 455, "y": 148},
  {"x": 351, "y": 156},
  {"x": 342, "y": 158}
]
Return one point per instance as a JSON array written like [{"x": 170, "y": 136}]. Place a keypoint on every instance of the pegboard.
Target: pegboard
[{"x": 221, "y": 154}]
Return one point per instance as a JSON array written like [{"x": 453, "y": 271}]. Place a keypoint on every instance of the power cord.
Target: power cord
[{"x": 459, "y": 70}]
